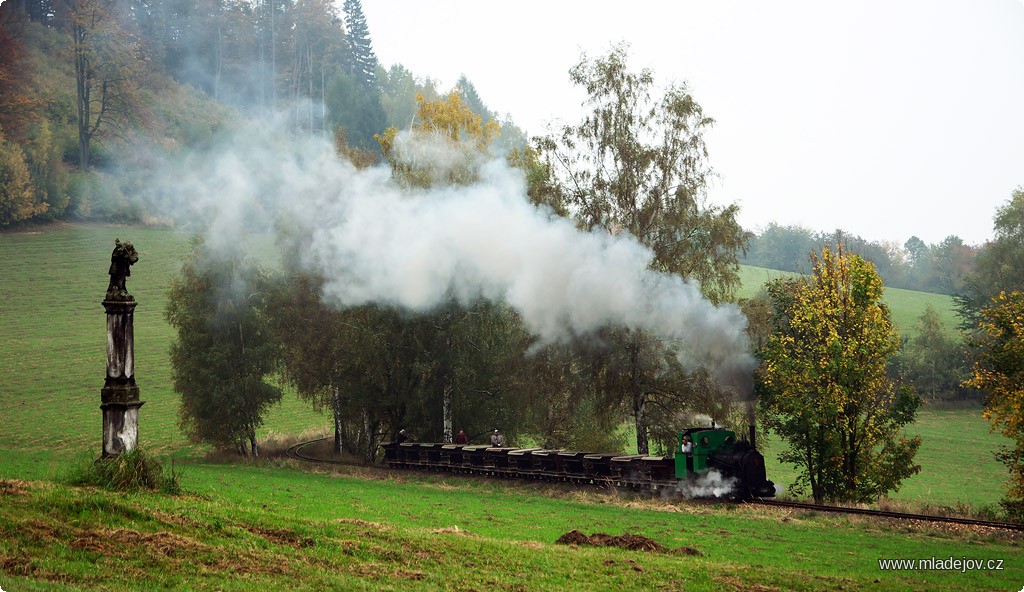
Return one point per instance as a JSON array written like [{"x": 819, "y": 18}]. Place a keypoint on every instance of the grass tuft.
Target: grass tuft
[{"x": 131, "y": 471}]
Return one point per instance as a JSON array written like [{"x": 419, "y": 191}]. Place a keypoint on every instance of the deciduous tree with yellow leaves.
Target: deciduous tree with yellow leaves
[
  {"x": 444, "y": 146},
  {"x": 998, "y": 349},
  {"x": 823, "y": 382}
]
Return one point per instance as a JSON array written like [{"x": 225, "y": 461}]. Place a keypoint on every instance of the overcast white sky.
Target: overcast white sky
[{"x": 885, "y": 118}]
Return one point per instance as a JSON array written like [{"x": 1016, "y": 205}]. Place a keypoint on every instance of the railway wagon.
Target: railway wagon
[{"x": 714, "y": 455}]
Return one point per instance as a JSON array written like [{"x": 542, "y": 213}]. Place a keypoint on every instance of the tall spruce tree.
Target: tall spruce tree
[{"x": 363, "y": 62}]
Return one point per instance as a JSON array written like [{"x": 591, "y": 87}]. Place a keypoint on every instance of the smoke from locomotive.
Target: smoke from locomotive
[{"x": 375, "y": 242}]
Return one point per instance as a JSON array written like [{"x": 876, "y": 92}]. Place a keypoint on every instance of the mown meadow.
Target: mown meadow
[
  {"x": 272, "y": 524},
  {"x": 53, "y": 342}
]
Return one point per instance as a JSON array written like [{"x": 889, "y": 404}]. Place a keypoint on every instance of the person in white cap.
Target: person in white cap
[{"x": 497, "y": 440}]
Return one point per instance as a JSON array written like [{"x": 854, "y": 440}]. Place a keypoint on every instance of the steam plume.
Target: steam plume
[
  {"x": 709, "y": 484},
  {"x": 374, "y": 242}
]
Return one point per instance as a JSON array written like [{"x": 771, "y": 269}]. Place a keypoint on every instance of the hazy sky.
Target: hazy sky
[{"x": 887, "y": 119}]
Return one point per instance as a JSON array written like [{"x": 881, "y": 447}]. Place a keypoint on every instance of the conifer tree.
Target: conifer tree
[{"x": 363, "y": 64}]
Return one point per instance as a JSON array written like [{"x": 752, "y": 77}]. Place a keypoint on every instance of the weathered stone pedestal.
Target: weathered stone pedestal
[{"x": 120, "y": 395}]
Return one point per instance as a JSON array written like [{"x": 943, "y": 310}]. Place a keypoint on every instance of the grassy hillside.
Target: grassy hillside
[
  {"x": 52, "y": 356},
  {"x": 53, "y": 343},
  {"x": 274, "y": 527},
  {"x": 906, "y": 306}
]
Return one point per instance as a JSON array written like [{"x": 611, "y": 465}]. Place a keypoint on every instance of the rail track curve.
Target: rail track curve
[{"x": 295, "y": 452}]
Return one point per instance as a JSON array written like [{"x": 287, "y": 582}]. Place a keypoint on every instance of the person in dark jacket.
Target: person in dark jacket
[{"x": 461, "y": 438}]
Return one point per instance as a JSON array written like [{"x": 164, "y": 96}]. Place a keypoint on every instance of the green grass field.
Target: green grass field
[
  {"x": 906, "y": 306},
  {"x": 247, "y": 527},
  {"x": 958, "y": 469},
  {"x": 272, "y": 525},
  {"x": 53, "y": 341}
]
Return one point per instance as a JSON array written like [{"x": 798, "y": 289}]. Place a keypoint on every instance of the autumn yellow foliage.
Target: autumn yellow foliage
[
  {"x": 999, "y": 372},
  {"x": 443, "y": 146},
  {"x": 824, "y": 386}
]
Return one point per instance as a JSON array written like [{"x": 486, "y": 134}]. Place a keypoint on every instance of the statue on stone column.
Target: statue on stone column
[
  {"x": 121, "y": 260},
  {"x": 120, "y": 395}
]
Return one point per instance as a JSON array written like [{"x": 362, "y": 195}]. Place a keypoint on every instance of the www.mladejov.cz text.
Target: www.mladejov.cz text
[{"x": 961, "y": 564}]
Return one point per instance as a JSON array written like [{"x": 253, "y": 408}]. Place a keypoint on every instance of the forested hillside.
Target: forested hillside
[{"x": 93, "y": 92}]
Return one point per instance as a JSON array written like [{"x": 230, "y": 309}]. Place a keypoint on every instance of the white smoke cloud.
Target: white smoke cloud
[
  {"x": 437, "y": 155},
  {"x": 375, "y": 242},
  {"x": 701, "y": 419},
  {"x": 709, "y": 484}
]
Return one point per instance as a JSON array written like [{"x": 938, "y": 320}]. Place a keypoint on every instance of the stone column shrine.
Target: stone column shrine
[{"x": 120, "y": 394}]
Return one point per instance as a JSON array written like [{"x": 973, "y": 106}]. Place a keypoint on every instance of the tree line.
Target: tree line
[
  {"x": 941, "y": 268},
  {"x": 379, "y": 369},
  {"x": 831, "y": 382},
  {"x": 474, "y": 366}
]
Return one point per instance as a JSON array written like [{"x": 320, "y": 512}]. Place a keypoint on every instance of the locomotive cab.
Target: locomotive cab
[
  {"x": 704, "y": 441},
  {"x": 717, "y": 448}
]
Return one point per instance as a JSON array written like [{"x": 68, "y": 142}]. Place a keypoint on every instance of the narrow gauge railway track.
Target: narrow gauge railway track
[
  {"x": 296, "y": 452},
  {"x": 887, "y": 514}
]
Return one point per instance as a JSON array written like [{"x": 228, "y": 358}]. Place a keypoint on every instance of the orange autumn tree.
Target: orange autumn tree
[
  {"x": 19, "y": 110},
  {"x": 999, "y": 372}
]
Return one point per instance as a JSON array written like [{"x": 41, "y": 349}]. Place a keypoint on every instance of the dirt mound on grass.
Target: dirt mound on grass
[
  {"x": 633, "y": 542},
  {"x": 573, "y": 537}
]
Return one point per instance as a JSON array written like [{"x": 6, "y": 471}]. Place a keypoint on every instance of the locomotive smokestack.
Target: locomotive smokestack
[{"x": 750, "y": 423}]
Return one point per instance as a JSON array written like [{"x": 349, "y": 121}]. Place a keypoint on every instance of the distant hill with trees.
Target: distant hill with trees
[{"x": 940, "y": 268}]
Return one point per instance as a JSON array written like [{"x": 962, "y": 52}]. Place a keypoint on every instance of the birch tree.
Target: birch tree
[
  {"x": 450, "y": 123},
  {"x": 109, "y": 65},
  {"x": 637, "y": 163}
]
